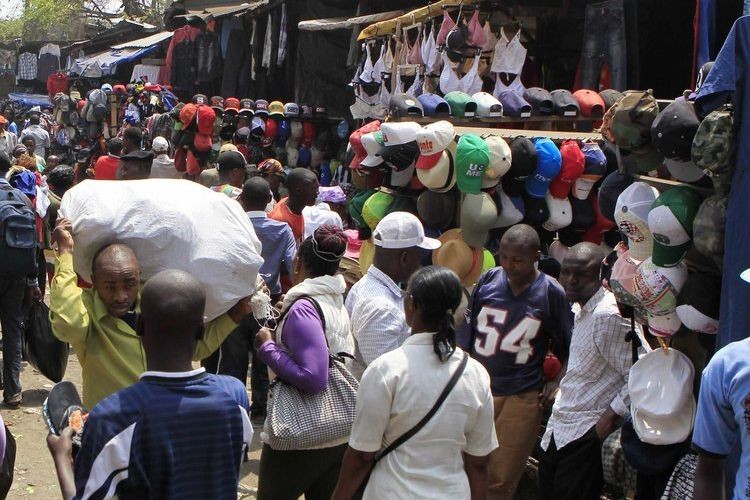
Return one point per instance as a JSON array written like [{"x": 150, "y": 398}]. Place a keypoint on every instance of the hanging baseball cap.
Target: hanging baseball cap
[
  {"x": 631, "y": 216},
  {"x": 437, "y": 210},
  {"x": 573, "y": 165},
  {"x": 673, "y": 130},
  {"x": 602, "y": 225},
  {"x": 442, "y": 177},
  {"x": 524, "y": 157},
  {"x": 671, "y": 224},
  {"x": 714, "y": 145},
  {"x": 510, "y": 212},
  {"x": 590, "y": 103},
  {"x": 461, "y": 104},
  {"x": 373, "y": 143},
  {"x": 231, "y": 105},
  {"x": 684, "y": 171},
  {"x": 455, "y": 254},
  {"x": 487, "y": 105},
  {"x": 291, "y": 110},
  {"x": 698, "y": 303},
  {"x": 656, "y": 288},
  {"x": 621, "y": 284},
  {"x": 402, "y": 230},
  {"x": 432, "y": 140},
  {"x": 540, "y": 100},
  {"x": 472, "y": 158},
  {"x": 584, "y": 215},
  {"x": 500, "y": 157},
  {"x": 434, "y": 105},
  {"x": 537, "y": 211},
  {"x": 709, "y": 227},
  {"x": 660, "y": 385},
  {"x": 595, "y": 167},
  {"x": 272, "y": 130},
  {"x": 304, "y": 158},
  {"x": 400, "y": 143},
  {"x": 217, "y": 102},
  {"x": 478, "y": 215},
  {"x": 404, "y": 105},
  {"x": 609, "y": 192},
  {"x": 560, "y": 213},
  {"x": 276, "y": 108},
  {"x": 247, "y": 108},
  {"x": 514, "y": 104},
  {"x": 401, "y": 177},
  {"x": 355, "y": 140},
  {"x": 261, "y": 108},
  {"x": 549, "y": 164},
  {"x": 610, "y": 97},
  {"x": 376, "y": 208},
  {"x": 564, "y": 102},
  {"x": 632, "y": 120}
]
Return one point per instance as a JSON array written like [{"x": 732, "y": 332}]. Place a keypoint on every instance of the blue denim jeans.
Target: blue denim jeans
[
  {"x": 604, "y": 42},
  {"x": 12, "y": 291}
]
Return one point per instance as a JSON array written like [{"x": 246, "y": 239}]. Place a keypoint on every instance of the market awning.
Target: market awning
[
  {"x": 340, "y": 23},
  {"x": 146, "y": 42},
  {"x": 415, "y": 16},
  {"x": 105, "y": 63},
  {"x": 209, "y": 13}
]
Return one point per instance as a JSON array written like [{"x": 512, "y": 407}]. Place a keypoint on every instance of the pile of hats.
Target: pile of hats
[{"x": 534, "y": 101}]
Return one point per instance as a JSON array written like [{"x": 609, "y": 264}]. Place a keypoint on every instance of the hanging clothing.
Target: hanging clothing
[
  {"x": 604, "y": 43},
  {"x": 447, "y": 25},
  {"x": 281, "y": 54},
  {"x": 7, "y": 60},
  {"x": 372, "y": 73},
  {"x": 514, "y": 86},
  {"x": 267, "y": 44},
  {"x": 477, "y": 37},
  {"x": 413, "y": 52},
  {"x": 27, "y": 66},
  {"x": 49, "y": 62},
  {"x": 415, "y": 89},
  {"x": 430, "y": 54},
  {"x": 146, "y": 73},
  {"x": 470, "y": 83},
  {"x": 207, "y": 60},
  {"x": 510, "y": 55},
  {"x": 227, "y": 25}
]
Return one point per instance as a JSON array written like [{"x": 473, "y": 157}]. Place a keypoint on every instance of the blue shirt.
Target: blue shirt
[
  {"x": 730, "y": 79},
  {"x": 170, "y": 435},
  {"x": 278, "y": 248},
  {"x": 12, "y": 127},
  {"x": 510, "y": 334},
  {"x": 724, "y": 409}
]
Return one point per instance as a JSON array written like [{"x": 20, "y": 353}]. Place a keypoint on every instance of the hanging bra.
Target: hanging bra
[
  {"x": 491, "y": 39},
  {"x": 515, "y": 86},
  {"x": 471, "y": 82},
  {"x": 371, "y": 72},
  {"x": 388, "y": 58},
  {"x": 415, "y": 89},
  {"x": 477, "y": 37},
  {"x": 385, "y": 94},
  {"x": 413, "y": 52},
  {"x": 510, "y": 55},
  {"x": 445, "y": 28},
  {"x": 430, "y": 54}
]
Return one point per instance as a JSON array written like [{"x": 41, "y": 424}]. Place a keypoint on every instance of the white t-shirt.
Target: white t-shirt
[{"x": 395, "y": 392}]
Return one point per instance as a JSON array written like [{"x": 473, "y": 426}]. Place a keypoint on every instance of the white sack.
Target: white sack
[{"x": 170, "y": 224}]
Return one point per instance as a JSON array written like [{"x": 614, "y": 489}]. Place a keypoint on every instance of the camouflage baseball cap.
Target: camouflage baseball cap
[
  {"x": 714, "y": 145},
  {"x": 708, "y": 227},
  {"x": 632, "y": 120}
]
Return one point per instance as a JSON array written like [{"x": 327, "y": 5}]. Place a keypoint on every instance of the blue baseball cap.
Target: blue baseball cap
[
  {"x": 434, "y": 105},
  {"x": 305, "y": 157},
  {"x": 25, "y": 181},
  {"x": 284, "y": 130},
  {"x": 548, "y": 165},
  {"x": 514, "y": 104},
  {"x": 595, "y": 159}
]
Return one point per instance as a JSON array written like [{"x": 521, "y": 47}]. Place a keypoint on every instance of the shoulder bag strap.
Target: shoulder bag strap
[
  {"x": 443, "y": 395},
  {"x": 317, "y": 309}
]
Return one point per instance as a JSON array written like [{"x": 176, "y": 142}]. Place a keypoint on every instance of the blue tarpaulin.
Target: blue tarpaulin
[{"x": 31, "y": 100}]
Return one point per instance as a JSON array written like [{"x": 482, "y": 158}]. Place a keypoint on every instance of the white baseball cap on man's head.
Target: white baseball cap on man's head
[{"x": 402, "y": 230}]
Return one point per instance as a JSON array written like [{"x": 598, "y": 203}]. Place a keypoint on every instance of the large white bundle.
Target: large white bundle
[{"x": 170, "y": 224}]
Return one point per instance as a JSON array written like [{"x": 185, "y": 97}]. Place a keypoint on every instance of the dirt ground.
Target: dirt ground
[{"x": 34, "y": 471}]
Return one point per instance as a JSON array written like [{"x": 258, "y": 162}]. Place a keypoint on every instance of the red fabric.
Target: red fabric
[
  {"x": 180, "y": 34},
  {"x": 57, "y": 82},
  {"x": 206, "y": 119},
  {"x": 605, "y": 79},
  {"x": 106, "y": 168},
  {"x": 296, "y": 222}
]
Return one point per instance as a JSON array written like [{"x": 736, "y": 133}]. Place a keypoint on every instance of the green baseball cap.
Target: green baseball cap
[
  {"x": 472, "y": 158},
  {"x": 376, "y": 207},
  {"x": 356, "y": 204},
  {"x": 631, "y": 123},
  {"x": 462, "y": 104},
  {"x": 670, "y": 221}
]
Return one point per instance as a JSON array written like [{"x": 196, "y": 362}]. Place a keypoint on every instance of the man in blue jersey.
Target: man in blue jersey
[
  {"x": 515, "y": 315},
  {"x": 176, "y": 433}
]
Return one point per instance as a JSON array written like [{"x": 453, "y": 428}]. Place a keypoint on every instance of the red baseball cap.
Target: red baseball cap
[
  {"x": 590, "y": 102},
  {"x": 573, "y": 165},
  {"x": 308, "y": 133},
  {"x": 601, "y": 226},
  {"x": 355, "y": 141},
  {"x": 232, "y": 104},
  {"x": 272, "y": 130}
]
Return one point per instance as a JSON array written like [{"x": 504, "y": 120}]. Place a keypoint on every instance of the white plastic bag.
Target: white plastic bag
[{"x": 169, "y": 224}]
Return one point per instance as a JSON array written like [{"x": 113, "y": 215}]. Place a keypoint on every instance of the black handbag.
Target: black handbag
[{"x": 419, "y": 425}]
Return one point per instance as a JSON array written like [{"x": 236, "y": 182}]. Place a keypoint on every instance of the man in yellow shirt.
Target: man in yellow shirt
[{"x": 100, "y": 322}]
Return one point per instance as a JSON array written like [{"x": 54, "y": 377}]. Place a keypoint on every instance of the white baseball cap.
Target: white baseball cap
[
  {"x": 487, "y": 105},
  {"x": 372, "y": 145},
  {"x": 397, "y": 133},
  {"x": 402, "y": 178},
  {"x": 664, "y": 325},
  {"x": 402, "y": 230},
  {"x": 660, "y": 385},
  {"x": 631, "y": 216},
  {"x": 560, "y": 213},
  {"x": 160, "y": 144},
  {"x": 432, "y": 140},
  {"x": 582, "y": 186},
  {"x": 500, "y": 157}
]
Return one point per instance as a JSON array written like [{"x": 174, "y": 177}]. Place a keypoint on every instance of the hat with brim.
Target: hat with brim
[
  {"x": 441, "y": 177},
  {"x": 509, "y": 213},
  {"x": 478, "y": 215},
  {"x": 662, "y": 430},
  {"x": 373, "y": 143},
  {"x": 400, "y": 156},
  {"x": 458, "y": 256},
  {"x": 685, "y": 171},
  {"x": 353, "y": 244},
  {"x": 401, "y": 178},
  {"x": 376, "y": 207},
  {"x": 437, "y": 210}
]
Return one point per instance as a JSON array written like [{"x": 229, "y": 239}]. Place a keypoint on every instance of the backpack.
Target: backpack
[{"x": 17, "y": 235}]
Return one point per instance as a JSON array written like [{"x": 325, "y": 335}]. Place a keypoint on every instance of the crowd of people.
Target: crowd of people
[{"x": 449, "y": 404}]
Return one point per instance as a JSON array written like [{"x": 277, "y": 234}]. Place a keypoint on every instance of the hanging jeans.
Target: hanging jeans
[{"x": 604, "y": 42}]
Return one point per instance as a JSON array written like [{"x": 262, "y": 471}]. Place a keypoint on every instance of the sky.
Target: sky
[{"x": 10, "y": 8}]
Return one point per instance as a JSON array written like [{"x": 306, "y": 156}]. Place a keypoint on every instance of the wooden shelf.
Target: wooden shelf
[{"x": 658, "y": 182}]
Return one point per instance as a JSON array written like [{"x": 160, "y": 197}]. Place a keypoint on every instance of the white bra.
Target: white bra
[
  {"x": 430, "y": 54},
  {"x": 470, "y": 83},
  {"x": 415, "y": 89},
  {"x": 371, "y": 72},
  {"x": 510, "y": 55},
  {"x": 516, "y": 86}
]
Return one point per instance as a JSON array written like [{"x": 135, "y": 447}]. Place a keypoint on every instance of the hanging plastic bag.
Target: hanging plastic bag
[{"x": 41, "y": 348}]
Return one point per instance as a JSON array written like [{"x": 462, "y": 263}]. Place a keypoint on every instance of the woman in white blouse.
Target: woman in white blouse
[{"x": 448, "y": 457}]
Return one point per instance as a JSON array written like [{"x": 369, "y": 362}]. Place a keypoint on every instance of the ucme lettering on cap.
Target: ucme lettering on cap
[
  {"x": 548, "y": 165},
  {"x": 432, "y": 140},
  {"x": 472, "y": 158},
  {"x": 671, "y": 223}
]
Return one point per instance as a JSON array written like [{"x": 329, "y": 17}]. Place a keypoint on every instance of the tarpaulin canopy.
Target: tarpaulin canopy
[
  {"x": 105, "y": 63},
  {"x": 145, "y": 42},
  {"x": 30, "y": 100},
  {"x": 339, "y": 23}
]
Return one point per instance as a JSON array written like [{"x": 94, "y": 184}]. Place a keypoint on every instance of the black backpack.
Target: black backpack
[{"x": 17, "y": 234}]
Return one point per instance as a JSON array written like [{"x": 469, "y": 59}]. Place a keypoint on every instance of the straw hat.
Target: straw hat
[{"x": 458, "y": 256}]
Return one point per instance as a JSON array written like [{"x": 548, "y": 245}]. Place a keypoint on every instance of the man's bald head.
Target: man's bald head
[
  {"x": 522, "y": 235},
  {"x": 256, "y": 193},
  {"x": 172, "y": 304},
  {"x": 114, "y": 255},
  {"x": 587, "y": 254},
  {"x": 116, "y": 274},
  {"x": 580, "y": 274},
  {"x": 299, "y": 176},
  {"x": 303, "y": 189}
]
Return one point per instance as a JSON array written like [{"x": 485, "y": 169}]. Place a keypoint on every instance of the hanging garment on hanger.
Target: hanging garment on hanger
[
  {"x": 477, "y": 37},
  {"x": 371, "y": 73},
  {"x": 385, "y": 92},
  {"x": 281, "y": 54},
  {"x": 445, "y": 28},
  {"x": 491, "y": 39},
  {"x": 430, "y": 54},
  {"x": 267, "y": 44},
  {"x": 510, "y": 55},
  {"x": 449, "y": 80},
  {"x": 415, "y": 89},
  {"x": 413, "y": 52},
  {"x": 388, "y": 56},
  {"x": 471, "y": 83},
  {"x": 515, "y": 85}
]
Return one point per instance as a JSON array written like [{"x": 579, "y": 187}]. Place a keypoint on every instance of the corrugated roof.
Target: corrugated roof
[
  {"x": 216, "y": 12},
  {"x": 148, "y": 41}
]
